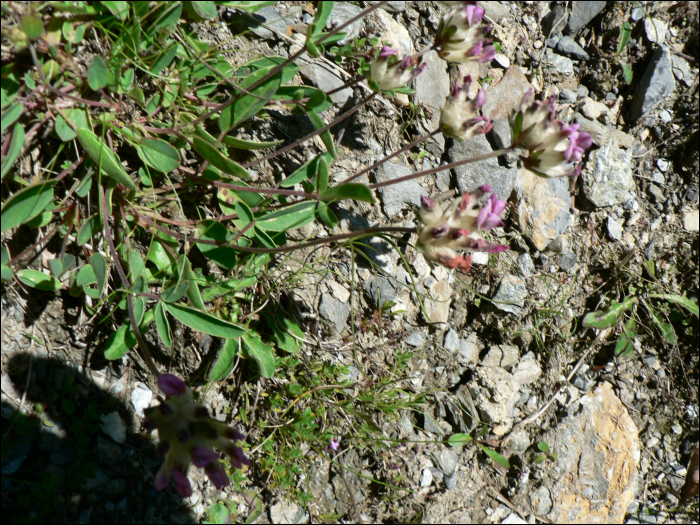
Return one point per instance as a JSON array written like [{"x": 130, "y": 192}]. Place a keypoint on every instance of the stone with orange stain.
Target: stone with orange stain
[{"x": 598, "y": 456}]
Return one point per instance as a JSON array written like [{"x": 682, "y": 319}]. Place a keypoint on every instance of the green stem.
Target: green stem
[{"x": 497, "y": 153}]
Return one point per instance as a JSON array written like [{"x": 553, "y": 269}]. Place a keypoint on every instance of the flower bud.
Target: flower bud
[
  {"x": 460, "y": 117},
  {"x": 549, "y": 146},
  {"x": 460, "y": 35},
  {"x": 390, "y": 72}
]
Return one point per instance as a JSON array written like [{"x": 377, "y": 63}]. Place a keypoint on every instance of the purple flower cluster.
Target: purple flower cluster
[
  {"x": 188, "y": 435},
  {"x": 460, "y": 35},
  {"x": 460, "y": 117},
  {"x": 550, "y": 147},
  {"x": 390, "y": 72},
  {"x": 459, "y": 227}
]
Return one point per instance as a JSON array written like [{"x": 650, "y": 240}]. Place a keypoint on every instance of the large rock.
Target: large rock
[
  {"x": 543, "y": 207},
  {"x": 432, "y": 86},
  {"x": 398, "y": 197},
  {"x": 607, "y": 177},
  {"x": 655, "y": 86},
  {"x": 598, "y": 454}
]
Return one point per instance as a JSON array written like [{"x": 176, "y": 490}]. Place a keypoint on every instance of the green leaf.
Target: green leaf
[
  {"x": 326, "y": 137},
  {"x": 609, "y": 316},
  {"x": 322, "y": 176},
  {"x": 223, "y": 364},
  {"x": 327, "y": 215},
  {"x": 119, "y": 343},
  {"x": 323, "y": 11},
  {"x": 544, "y": 447},
  {"x": 175, "y": 292},
  {"x": 287, "y": 334},
  {"x": 667, "y": 331},
  {"x": 136, "y": 265},
  {"x": 86, "y": 276},
  {"x": 118, "y": 9},
  {"x": 679, "y": 300},
  {"x": 305, "y": 172},
  {"x": 13, "y": 150},
  {"x": 98, "y": 73},
  {"x": 163, "y": 325},
  {"x": 224, "y": 256},
  {"x": 98, "y": 263},
  {"x": 78, "y": 116},
  {"x": 627, "y": 72},
  {"x": 299, "y": 92},
  {"x": 294, "y": 216},
  {"x": 205, "y": 10},
  {"x": 459, "y": 440},
  {"x": 60, "y": 266},
  {"x": 168, "y": 15},
  {"x": 248, "y": 7},
  {"x": 204, "y": 322},
  {"x": 7, "y": 274},
  {"x": 216, "y": 158},
  {"x": 625, "y": 32},
  {"x": 159, "y": 256},
  {"x": 89, "y": 228},
  {"x": 158, "y": 154},
  {"x": 187, "y": 275},
  {"x": 104, "y": 157},
  {"x": 495, "y": 456},
  {"x": 11, "y": 115},
  {"x": 248, "y": 106},
  {"x": 624, "y": 346},
  {"x": 39, "y": 280},
  {"x": 350, "y": 190},
  {"x": 249, "y": 144},
  {"x": 163, "y": 60},
  {"x": 26, "y": 204},
  {"x": 261, "y": 353},
  {"x": 288, "y": 73},
  {"x": 32, "y": 25}
]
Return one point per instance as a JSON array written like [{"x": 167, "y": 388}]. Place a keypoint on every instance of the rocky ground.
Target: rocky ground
[{"x": 503, "y": 344}]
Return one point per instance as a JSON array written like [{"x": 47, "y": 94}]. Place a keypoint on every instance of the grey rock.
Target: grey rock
[
  {"x": 334, "y": 311},
  {"x": 655, "y": 30},
  {"x": 602, "y": 134},
  {"x": 285, "y": 512},
  {"x": 269, "y": 16},
  {"x": 451, "y": 340},
  {"x": 528, "y": 370},
  {"x": 426, "y": 478},
  {"x": 14, "y": 455},
  {"x": 62, "y": 456},
  {"x": 582, "y": 13},
  {"x": 141, "y": 399},
  {"x": 438, "y": 476},
  {"x": 107, "y": 452},
  {"x": 525, "y": 265},
  {"x": 468, "y": 350},
  {"x": 582, "y": 91},
  {"x": 501, "y": 355},
  {"x": 568, "y": 261},
  {"x": 614, "y": 229},
  {"x": 447, "y": 460},
  {"x": 607, "y": 177},
  {"x": 325, "y": 79},
  {"x": 637, "y": 13},
  {"x": 380, "y": 290},
  {"x": 542, "y": 207},
  {"x": 506, "y": 95},
  {"x": 416, "y": 338},
  {"x": 663, "y": 165},
  {"x": 598, "y": 453},
  {"x": 558, "y": 63},
  {"x": 52, "y": 437},
  {"x": 655, "y": 86},
  {"x": 431, "y": 425},
  {"x": 520, "y": 441},
  {"x": 473, "y": 175},
  {"x": 112, "y": 425},
  {"x": 395, "y": 7},
  {"x": 495, "y": 393},
  {"x": 568, "y": 96},
  {"x": 451, "y": 481},
  {"x": 691, "y": 221},
  {"x": 342, "y": 12},
  {"x": 432, "y": 86},
  {"x": 657, "y": 193},
  {"x": 682, "y": 70},
  {"x": 570, "y": 47},
  {"x": 511, "y": 294},
  {"x": 92, "y": 483},
  {"x": 115, "y": 486},
  {"x": 397, "y": 197},
  {"x": 541, "y": 501},
  {"x": 501, "y": 137}
]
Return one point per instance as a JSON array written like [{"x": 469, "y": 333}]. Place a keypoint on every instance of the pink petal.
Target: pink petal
[
  {"x": 162, "y": 478},
  {"x": 217, "y": 475},
  {"x": 182, "y": 484},
  {"x": 171, "y": 385},
  {"x": 203, "y": 456}
]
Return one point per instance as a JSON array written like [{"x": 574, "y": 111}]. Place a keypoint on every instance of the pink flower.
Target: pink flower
[
  {"x": 390, "y": 72},
  {"x": 458, "y": 228},
  {"x": 460, "y": 117},
  {"x": 550, "y": 147},
  {"x": 460, "y": 36},
  {"x": 188, "y": 436}
]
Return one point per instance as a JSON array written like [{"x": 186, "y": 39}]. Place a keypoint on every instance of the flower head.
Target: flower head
[
  {"x": 188, "y": 435},
  {"x": 550, "y": 147},
  {"x": 460, "y": 117},
  {"x": 460, "y": 35},
  {"x": 390, "y": 72},
  {"x": 459, "y": 227}
]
